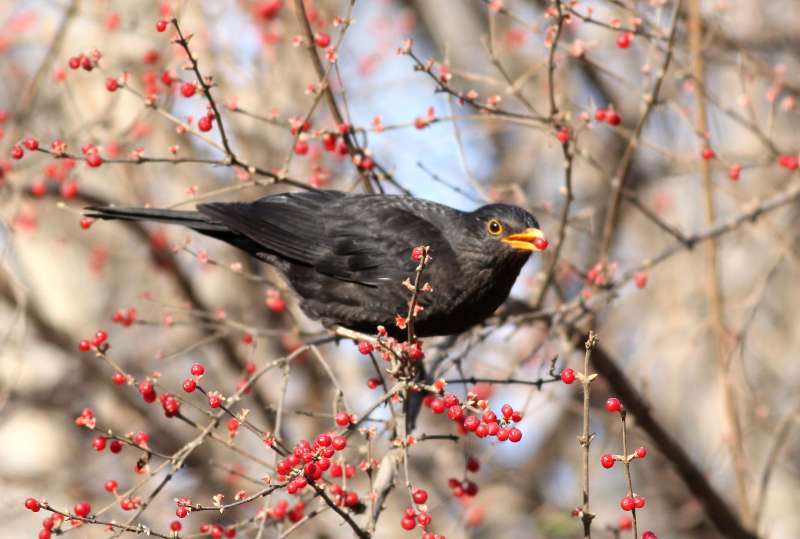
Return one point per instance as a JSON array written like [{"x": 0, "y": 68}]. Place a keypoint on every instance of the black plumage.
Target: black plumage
[{"x": 346, "y": 256}]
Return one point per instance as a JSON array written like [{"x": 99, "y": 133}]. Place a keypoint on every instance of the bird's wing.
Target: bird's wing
[
  {"x": 374, "y": 246},
  {"x": 288, "y": 225},
  {"x": 362, "y": 239}
]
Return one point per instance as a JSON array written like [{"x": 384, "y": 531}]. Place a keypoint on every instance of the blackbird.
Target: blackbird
[{"x": 346, "y": 256}]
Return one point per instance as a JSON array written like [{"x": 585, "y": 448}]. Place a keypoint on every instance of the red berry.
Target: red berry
[
  {"x": 39, "y": 189},
  {"x": 31, "y": 143},
  {"x": 94, "y": 160},
  {"x": 115, "y": 446},
  {"x": 112, "y": 85},
  {"x": 32, "y": 504},
  {"x": 188, "y": 89},
  {"x": 189, "y": 385},
  {"x": 471, "y": 423},
  {"x": 17, "y": 152},
  {"x": 600, "y": 115},
  {"x": 708, "y": 154},
  {"x": 473, "y": 464},
  {"x": 638, "y": 502},
  {"x": 627, "y": 503},
  {"x": 214, "y": 400},
  {"x": 613, "y": 404},
  {"x": 416, "y": 254},
  {"x": 342, "y": 419},
  {"x": 110, "y": 485},
  {"x": 74, "y": 62},
  {"x": 84, "y": 346},
  {"x": 205, "y": 123},
  {"x": 339, "y": 442},
  {"x": 175, "y": 526},
  {"x": 568, "y": 376},
  {"x": 563, "y": 135},
  {"x": 141, "y": 439},
  {"x": 82, "y": 509},
  {"x": 624, "y": 40},
  {"x": 181, "y": 512},
  {"x": 161, "y": 25},
  {"x": 641, "y": 452},
  {"x": 514, "y": 435},
  {"x": 301, "y": 147},
  {"x": 233, "y": 424},
  {"x": 365, "y": 347},
  {"x": 322, "y": 40},
  {"x": 624, "y": 523},
  {"x": 408, "y": 523},
  {"x": 118, "y": 378},
  {"x": 734, "y": 172},
  {"x": 607, "y": 460},
  {"x": 788, "y": 161},
  {"x": 419, "y": 495},
  {"x": 640, "y": 279},
  {"x": 99, "y": 337},
  {"x": 613, "y": 118},
  {"x": 507, "y": 411},
  {"x": 99, "y": 443},
  {"x": 198, "y": 369},
  {"x": 86, "y": 222},
  {"x": 649, "y": 535},
  {"x": 540, "y": 243}
]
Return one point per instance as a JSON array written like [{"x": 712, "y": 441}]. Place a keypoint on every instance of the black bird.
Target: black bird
[{"x": 346, "y": 255}]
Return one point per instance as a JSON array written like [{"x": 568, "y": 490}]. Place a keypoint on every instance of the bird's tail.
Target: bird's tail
[{"x": 191, "y": 219}]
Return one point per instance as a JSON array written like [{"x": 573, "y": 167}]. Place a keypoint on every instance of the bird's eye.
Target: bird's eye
[{"x": 494, "y": 227}]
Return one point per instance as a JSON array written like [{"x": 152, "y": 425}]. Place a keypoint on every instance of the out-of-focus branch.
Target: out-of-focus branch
[{"x": 713, "y": 292}]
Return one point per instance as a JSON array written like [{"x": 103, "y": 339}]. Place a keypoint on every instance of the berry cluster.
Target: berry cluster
[{"x": 482, "y": 422}]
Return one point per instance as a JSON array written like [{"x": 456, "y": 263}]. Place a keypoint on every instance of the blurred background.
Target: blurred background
[{"x": 655, "y": 141}]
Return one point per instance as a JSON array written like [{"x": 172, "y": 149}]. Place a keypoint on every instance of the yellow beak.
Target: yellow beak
[{"x": 531, "y": 239}]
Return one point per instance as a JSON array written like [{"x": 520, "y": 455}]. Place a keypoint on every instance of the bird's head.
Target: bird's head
[{"x": 508, "y": 231}]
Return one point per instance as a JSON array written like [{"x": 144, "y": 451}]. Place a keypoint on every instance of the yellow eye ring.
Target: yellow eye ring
[{"x": 494, "y": 227}]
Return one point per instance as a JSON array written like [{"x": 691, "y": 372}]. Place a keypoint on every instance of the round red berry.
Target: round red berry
[
  {"x": 112, "y": 84},
  {"x": 115, "y": 446},
  {"x": 568, "y": 376},
  {"x": 118, "y": 378},
  {"x": 613, "y": 118},
  {"x": 82, "y": 509},
  {"x": 365, "y": 347},
  {"x": 419, "y": 495},
  {"x": 649, "y": 535},
  {"x": 110, "y": 485},
  {"x": 205, "y": 123},
  {"x": 322, "y": 40},
  {"x": 94, "y": 160},
  {"x": 640, "y": 279},
  {"x": 84, "y": 345},
  {"x": 99, "y": 443},
  {"x": 198, "y": 369},
  {"x": 638, "y": 502},
  {"x": 540, "y": 243},
  {"x": 32, "y": 504},
  {"x": 627, "y": 503},
  {"x": 408, "y": 523},
  {"x": 641, "y": 452},
  {"x": 613, "y": 404},
  {"x": 514, "y": 435},
  {"x": 563, "y": 135},
  {"x": 342, "y": 419},
  {"x": 31, "y": 143},
  {"x": 189, "y": 385},
  {"x": 188, "y": 89},
  {"x": 734, "y": 172},
  {"x": 624, "y": 40},
  {"x": 301, "y": 147},
  {"x": 17, "y": 152},
  {"x": 161, "y": 25},
  {"x": 708, "y": 154},
  {"x": 607, "y": 460}
]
